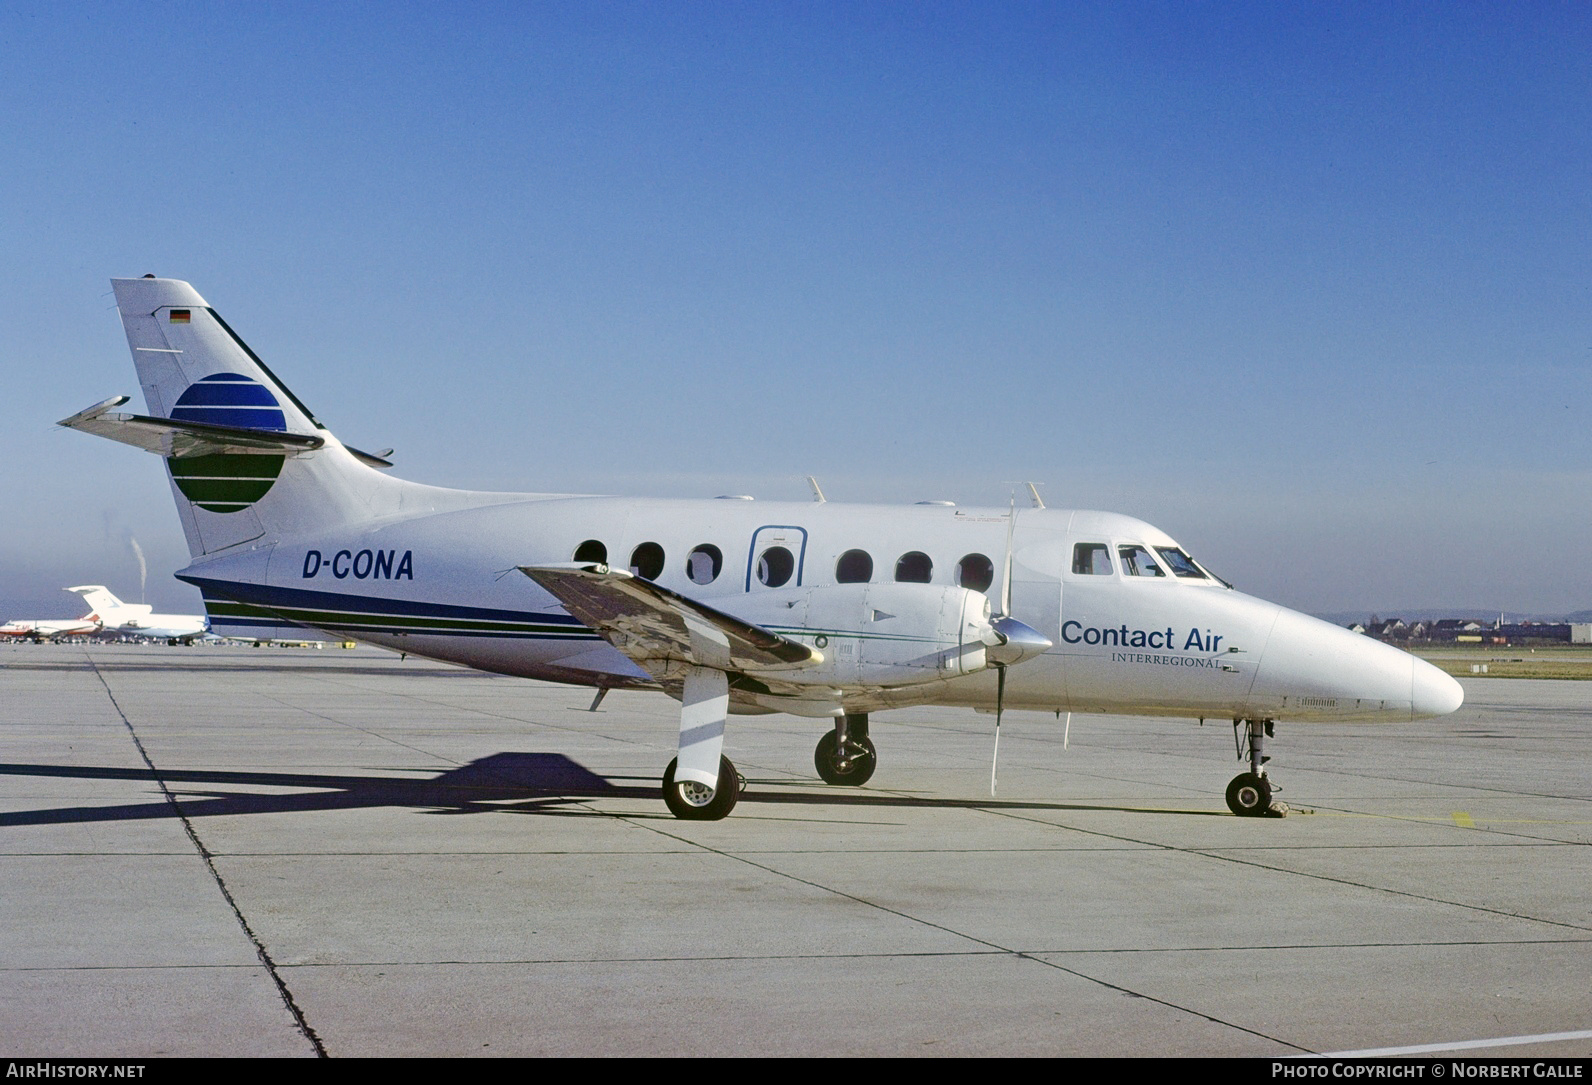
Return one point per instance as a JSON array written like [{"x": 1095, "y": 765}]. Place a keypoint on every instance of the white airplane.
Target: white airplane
[
  {"x": 139, "y": 619},
  {"x": 729, "y": 605},
  {"x": 41, "y": 630}
]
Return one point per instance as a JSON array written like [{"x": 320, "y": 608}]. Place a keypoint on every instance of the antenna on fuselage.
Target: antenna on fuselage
[{"x": 818, "y": 494}]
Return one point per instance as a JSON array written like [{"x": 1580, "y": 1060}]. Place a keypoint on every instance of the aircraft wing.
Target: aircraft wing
[
  {"x": 656, "y": 626},
  {"x": 171, "y": 438}
]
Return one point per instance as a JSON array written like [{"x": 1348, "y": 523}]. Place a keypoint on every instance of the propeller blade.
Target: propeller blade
[
  {"x": 1000, "y": 703},
  {"x": 1006, "y": 571}
]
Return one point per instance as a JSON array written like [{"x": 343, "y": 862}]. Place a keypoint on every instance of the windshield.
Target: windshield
[
  {"x": 1137, "y": 561},
  {"x": 1180, "y": 563}
]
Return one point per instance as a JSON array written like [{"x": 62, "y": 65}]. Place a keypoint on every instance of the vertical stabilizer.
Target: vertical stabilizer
[
  {"x": 195, "y": 370},
  {"x": 98, "y": 597}
]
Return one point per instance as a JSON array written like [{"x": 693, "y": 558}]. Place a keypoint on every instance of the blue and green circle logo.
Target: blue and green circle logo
[{"x": 228, "y": 482}]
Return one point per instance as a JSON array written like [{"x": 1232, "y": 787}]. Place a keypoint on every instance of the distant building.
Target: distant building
[{"x": 1469, "y": 631}]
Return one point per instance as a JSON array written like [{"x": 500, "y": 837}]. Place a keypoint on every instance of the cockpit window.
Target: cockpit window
[
  {"x": 1136, "y": 561},
  {"x": 1180, "y": 563},
  {"x": 1091, "y": 559}
]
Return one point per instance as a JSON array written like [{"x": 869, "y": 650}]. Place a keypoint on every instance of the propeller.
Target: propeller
[{"x": 1009, "y": 641}]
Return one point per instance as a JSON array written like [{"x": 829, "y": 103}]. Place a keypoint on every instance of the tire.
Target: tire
[
  {"x": 855, "y": 772},
  {"x": 1249, "y": 795},
  {"x": 691, "y": 801}
]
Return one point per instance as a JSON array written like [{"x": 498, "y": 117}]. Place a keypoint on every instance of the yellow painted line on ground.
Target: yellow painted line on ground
[
  {"x": 1462, "y": 819},
  {"x": 1463, "y": 1045}
]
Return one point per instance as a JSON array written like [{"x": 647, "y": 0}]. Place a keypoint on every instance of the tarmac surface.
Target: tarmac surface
[{"x": 239, "y": 851}]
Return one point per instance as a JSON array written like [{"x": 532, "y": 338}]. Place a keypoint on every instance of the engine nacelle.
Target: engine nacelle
[{"x": 879, "y": 634}]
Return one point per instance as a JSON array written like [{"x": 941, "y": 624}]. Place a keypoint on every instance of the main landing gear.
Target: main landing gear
[
  {"x": 1249, "y": 795},
  {"x": 691, "y": 801},
  {"x": 844, "y": 756}
]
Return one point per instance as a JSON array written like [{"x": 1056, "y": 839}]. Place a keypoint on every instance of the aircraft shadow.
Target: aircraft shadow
[{"x": 523, "y": 783}]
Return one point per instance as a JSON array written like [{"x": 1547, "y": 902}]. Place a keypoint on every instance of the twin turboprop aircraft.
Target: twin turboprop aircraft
[{"x": 820, "y": 610}]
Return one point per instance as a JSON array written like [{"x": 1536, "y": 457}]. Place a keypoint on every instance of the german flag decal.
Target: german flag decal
[{"x": 179, "y": 316}]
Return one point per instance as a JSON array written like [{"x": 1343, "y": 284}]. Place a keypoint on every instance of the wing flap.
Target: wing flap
[
  {"x": 177, "y": 440},
  {"x": 652, "y": 624}
]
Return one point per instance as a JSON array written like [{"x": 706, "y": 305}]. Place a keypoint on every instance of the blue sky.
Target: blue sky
[{"x": 1307, "y": 286}]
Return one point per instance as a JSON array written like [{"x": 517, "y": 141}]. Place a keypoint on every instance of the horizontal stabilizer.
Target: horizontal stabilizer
[
  {"x": 371, "y": 459},
  {"x": 652, "y": 624},
  {"x": 179, "y": 440}
]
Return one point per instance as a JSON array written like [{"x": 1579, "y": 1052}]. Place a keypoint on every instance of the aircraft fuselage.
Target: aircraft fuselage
[{"x": 445, "y": 586}]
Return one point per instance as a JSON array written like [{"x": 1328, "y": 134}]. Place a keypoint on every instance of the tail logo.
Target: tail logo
[{"x": 228, "y": 482}]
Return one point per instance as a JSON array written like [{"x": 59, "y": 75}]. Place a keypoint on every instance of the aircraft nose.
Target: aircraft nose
[{"x": 1433, "y": 693}]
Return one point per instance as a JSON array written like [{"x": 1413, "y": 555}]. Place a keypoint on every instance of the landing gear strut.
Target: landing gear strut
[
  {"x": 1249, "y": 795},
  {"x": 691, "y": 801},
  {"x": 844, "y": 756}
]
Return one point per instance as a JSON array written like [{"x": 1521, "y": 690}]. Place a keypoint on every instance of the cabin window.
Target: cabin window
[
  {"x": 975, "y": 572},
  {"x": 914, "y": 568},
  {"x": 593, "y": 551},
  {"x": 854, "y": 567},
  {"x": 1136, "y": 561},
  {"x": 775, "y": 566},
  {"x": 646, "y": 561},
  {"x": 1180, "y": 563},
  {"x": 703, "y": 564},
  {"x": 1091, "y": 559}
]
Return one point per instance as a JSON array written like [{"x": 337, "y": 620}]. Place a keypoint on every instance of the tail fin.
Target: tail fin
[
  {"x": 181, "y": 346},
  {"x": 98, "y": 597},
  {"x": 247, "y": 459}
]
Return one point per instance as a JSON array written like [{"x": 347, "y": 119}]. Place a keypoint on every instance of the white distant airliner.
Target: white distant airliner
[
  {"x": 138, "y": 619},
  {"x": 819, "y": 609},
  {"x": 40, "y": 630}
]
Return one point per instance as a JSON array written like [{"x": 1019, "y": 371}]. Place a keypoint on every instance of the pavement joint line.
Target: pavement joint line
[
  {"x": 1328, "y": 771},
  {"x": 259, "y": 947},
  {"x": 1448, "y": 788},
  {"x": 1447, "y": 845},
  {"x": 991, "y": 951},
  {"x": 582, "y": 731},
  {"x": 1220, "y": 856},
  {"x": 1395, "y": 892},
  {"x": 1453, "y": 821},
  {"x": 1018, "y": 954},
  {"x": 361, "y": 730}
]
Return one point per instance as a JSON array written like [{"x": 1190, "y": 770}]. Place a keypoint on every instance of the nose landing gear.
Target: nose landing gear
[{"x": 1249, "y": 794}]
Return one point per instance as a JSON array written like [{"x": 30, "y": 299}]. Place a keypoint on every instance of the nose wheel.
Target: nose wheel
[
  {"x": 1249, "y": 795},
  {"x": 845, "y": 756},
  {"x": 692, "y": 801}
]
